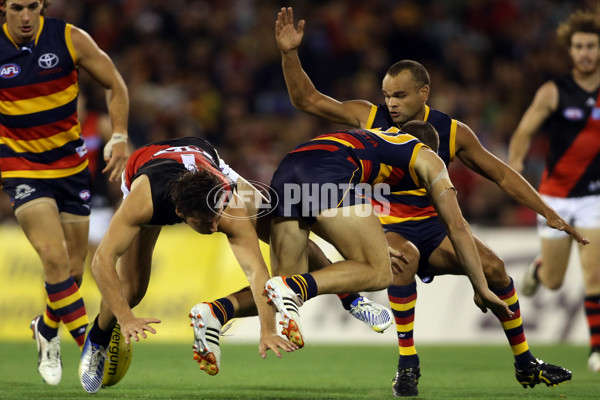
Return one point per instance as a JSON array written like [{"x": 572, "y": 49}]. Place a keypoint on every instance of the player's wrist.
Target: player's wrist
[{"x": 118, "y": 137}]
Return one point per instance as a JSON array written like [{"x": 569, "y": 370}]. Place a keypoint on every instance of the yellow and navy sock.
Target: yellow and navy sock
[
  {"x": 592, "y": 314},
  {"x": 303, "y": 285},
  {"x": 66, "y": 301},
  {"x": 347, "y": 299},
  {"x": 513, "y": 326},
  {"x": 403, "y": 300},
  {"x": 48, "y": 325},
  {"x": 222, "y": 309}
]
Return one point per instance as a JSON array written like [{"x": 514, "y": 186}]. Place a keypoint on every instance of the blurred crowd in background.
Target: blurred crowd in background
[{"x": 211, "y": 68}]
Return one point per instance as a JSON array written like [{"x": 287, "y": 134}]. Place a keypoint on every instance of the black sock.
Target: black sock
[{"x": 99, "y": 336}]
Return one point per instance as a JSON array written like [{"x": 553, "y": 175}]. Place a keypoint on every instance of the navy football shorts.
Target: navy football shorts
[
  {"x": 72, "y": 193},
  {"x": 309, "y": 182},
  {"x": 426, "y": 235}
]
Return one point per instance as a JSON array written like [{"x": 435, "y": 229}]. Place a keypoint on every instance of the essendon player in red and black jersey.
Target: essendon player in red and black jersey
[
  {"x": 406, "y": 87},
  {"x": 567, "y": 110},
  {"x": 179, "y": 180}
]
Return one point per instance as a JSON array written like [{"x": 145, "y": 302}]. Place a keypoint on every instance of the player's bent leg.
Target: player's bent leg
[
  {"x": 590, "y": 264},
  {"x": 40, "y": 222},
  {"x": 376, "y": 316},
  {"x": 356, "y": 233},
  {"x": 555, "y": 259},
  {"x": 76, "y": 228}
]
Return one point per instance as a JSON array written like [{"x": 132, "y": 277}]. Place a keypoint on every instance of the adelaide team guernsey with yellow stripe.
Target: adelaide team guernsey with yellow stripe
[
  {"x": 40, "y": 136},
  {"x": 381, "y": 157},
  {"x": 414, "y": 205}
]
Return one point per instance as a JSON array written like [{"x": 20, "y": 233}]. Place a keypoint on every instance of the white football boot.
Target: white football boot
[
  {"x": 49, "y": 361},
  {"x": 287, "y": 302},
  {"x": 376, "y": 316},
  {"x": 207, "y": 328}
]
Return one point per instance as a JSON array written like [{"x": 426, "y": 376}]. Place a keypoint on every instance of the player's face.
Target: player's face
[
  {"x": 404, "y": 97},
  {"x": 585, "y": 52},
  {"x": 22, "y": 19},
  {"x": 205, "y": 226}
]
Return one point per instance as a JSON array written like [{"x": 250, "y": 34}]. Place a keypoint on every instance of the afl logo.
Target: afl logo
[
  {"x": 8, "y": 71},
  {"x": 85, "y": 195},
  {"x": 573, "y": 113},
  {"x": 48, "y": 60}
]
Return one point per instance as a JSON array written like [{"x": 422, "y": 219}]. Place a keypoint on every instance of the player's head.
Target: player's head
[
  {"x": 199, "y": 198},
  {"x": 580, "y": 34},
  {"x": 22, "y": 17},
  {"x": 423, "y": 131},
  {"x": 405, "y": 88}
]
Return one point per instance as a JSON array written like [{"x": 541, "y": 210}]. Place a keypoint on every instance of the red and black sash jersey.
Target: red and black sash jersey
[
  {"x": 39, "y": 132},
  {"x": 163, "y": 162},
  {"x": 414, "y": 205},
  {"x": 573, "y": 161},
  {"x": 382, "y": 158}
]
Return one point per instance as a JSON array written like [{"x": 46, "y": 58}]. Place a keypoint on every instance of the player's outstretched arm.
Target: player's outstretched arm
[
  {"x": 479, "y": 159},
  {"x": 303, "y": 94},
  {"x": 434, "y": 177},
  {"x": 135, "y": 211},
  {"x": 235, "y": 223},
  {"x": 99, "y": 65}
]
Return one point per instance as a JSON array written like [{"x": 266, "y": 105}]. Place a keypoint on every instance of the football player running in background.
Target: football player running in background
[{"x": 567, "y": 109}]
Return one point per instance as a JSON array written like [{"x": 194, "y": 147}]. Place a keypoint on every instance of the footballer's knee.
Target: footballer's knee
[{"x": 382, "y": 276}]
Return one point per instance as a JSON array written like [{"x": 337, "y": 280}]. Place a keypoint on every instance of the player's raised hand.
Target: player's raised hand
[{"x": 288, "y": 37}]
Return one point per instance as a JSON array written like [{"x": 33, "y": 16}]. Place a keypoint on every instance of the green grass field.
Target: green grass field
[{"x": 167, "y": 371}]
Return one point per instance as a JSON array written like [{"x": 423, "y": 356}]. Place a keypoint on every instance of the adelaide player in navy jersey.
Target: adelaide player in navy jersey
[
  {"x": 567, "y": 110},
  {"x": 43, "y": 157},
  {"x": 169, "y": 182},
  {"x": 321, "y": 185},
  {"x": 423, "y": 241}
]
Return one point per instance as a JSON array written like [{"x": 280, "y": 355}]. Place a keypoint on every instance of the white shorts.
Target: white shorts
[
  {"x": 99, "y": 220},
  {"x": 580, "y": 212}
]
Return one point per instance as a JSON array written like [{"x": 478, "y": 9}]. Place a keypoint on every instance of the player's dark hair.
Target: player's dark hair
[
  {"x": 197, "y": 193},
  {"x": 579, "y": 21},
  {"x": 45, "y": 5},
  {"x": 423, "y": 131},
  {"x": 418, "y": 71}
]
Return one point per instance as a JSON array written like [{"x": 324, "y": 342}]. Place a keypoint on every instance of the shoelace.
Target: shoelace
[
  {"x": 94, "y": 359},
  {"x": 53, "y": 352}
]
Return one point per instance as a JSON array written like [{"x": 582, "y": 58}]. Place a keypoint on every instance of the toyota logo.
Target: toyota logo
[{"x": 48, "y": 60}]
